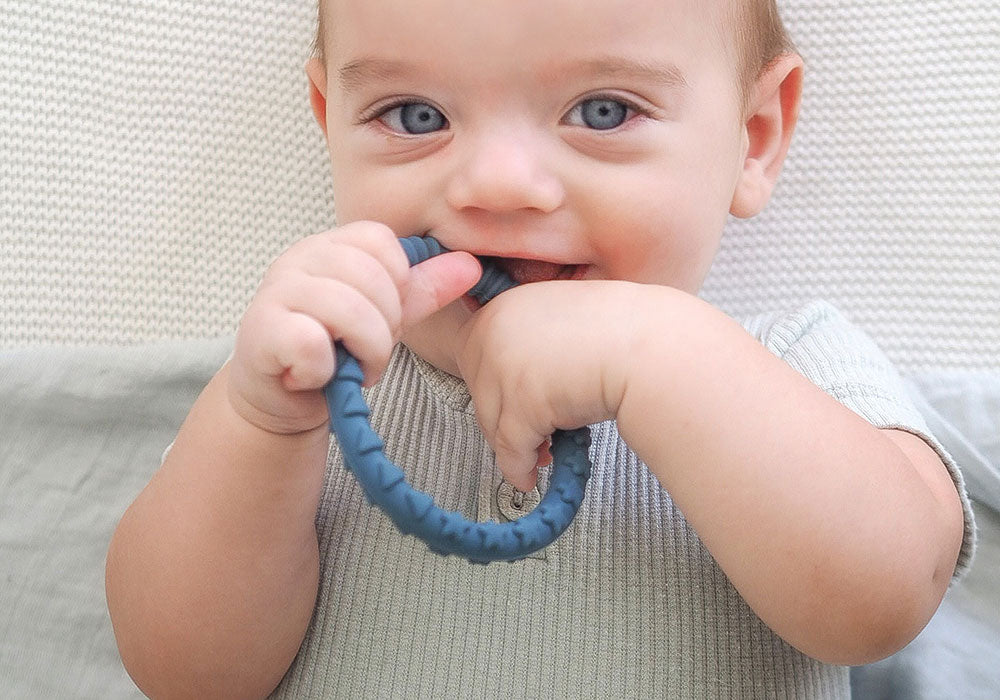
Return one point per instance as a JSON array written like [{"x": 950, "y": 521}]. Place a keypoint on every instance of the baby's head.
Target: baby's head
[
  {"x": 753, "y": 28},
  {"x": 611, "y": 137}
]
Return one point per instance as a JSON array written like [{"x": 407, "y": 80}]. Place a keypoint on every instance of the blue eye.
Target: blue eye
[
  {"x": 599, "y": 113},
  {"x": 413, "y": 118}
]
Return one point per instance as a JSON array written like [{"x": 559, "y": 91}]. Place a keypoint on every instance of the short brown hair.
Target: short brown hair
[{"x": 760, "y": 38}]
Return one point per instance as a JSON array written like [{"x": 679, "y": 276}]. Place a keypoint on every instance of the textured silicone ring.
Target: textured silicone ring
[{"x": 415, "y": 513}]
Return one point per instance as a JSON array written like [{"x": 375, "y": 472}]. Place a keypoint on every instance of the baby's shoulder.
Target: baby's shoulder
[{"x": 806, "y": 324}]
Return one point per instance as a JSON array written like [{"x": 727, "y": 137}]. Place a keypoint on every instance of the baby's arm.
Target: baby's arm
[
  {"x": 840, "y": 536},
  {"x": 212, "y": 573}
]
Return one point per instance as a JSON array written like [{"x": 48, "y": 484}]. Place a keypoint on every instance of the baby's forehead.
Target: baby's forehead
[
  {"x": 330, "y": 9},
  {"x": 524, "y": 43},
  {"x": 512, "y": 17}
]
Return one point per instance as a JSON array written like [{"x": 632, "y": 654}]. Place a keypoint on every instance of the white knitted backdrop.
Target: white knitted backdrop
[{"x": 155, "y": 155}]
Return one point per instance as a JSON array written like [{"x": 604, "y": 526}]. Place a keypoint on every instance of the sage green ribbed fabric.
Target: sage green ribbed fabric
[{"x": 627, "y": 604}]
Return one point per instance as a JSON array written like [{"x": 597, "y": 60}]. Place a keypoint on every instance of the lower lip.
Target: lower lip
[{"x": 473, "y": 305}]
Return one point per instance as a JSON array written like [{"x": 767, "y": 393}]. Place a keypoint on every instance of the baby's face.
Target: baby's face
[{"x": 602, "y": 134}]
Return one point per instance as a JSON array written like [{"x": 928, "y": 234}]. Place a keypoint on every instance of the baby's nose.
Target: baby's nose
[{"x": 502, "y": 171}]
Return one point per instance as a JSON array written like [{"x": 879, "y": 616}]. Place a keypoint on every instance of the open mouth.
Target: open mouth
[{"x": 525, "y": 271}]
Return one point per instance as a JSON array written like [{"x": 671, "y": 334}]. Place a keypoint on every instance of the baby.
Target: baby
[{"x": 766, "y": 505}]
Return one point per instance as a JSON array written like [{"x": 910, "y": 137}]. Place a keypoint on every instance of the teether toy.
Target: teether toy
[{"x": 413, "y": 512}]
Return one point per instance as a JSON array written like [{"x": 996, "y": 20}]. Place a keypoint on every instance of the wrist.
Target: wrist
[
  {"x": 303, "y": 415},
  {"x": 662, "y": 322},
  {"x": 216, "y": 432},
  {"x": 219, "y": 448}
]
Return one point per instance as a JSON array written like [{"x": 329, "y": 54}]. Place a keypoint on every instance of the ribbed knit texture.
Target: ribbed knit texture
[
  {"x": 627, "y": 603},
  {"x": 155, "y": 155}
]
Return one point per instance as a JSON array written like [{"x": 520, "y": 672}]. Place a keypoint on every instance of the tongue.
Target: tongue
[{"x": 526, "y": 271}]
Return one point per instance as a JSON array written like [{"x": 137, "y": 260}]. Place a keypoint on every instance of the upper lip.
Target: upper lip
[
  {"x": 511, "y": 254},
  {"x": 515, "y": 255},
  {"x": 523, "y": 256}
]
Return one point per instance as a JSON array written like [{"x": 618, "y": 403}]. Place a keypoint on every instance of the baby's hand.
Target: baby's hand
[
  {"x": 544, "y": 356},
  {"x": 351, "y": 284}
]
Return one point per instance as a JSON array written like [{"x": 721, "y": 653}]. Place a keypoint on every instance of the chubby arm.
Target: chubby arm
[
  {"x": 212, "y": 572},
  {"x": 840, "y": 536}
]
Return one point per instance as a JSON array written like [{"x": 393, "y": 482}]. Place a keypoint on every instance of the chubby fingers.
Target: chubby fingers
[
  {"x": 352, "y": 285},
  {"x": 335, "y": 286},
  {"x": 316, "y": 310},
  {"x": 520, "y": 450},
  {"x": 422, "y": 289},
  {"x": 435, "y": 283},
  {"x": 544, "y": 453}
]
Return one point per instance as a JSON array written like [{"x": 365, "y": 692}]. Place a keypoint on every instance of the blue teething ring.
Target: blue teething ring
[{"x": 413, "y": 512}]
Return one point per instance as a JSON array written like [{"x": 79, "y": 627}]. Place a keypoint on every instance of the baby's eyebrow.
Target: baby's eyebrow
[
  {"x": 362, "y": 71},
  {"x": 665, "y": 75}
]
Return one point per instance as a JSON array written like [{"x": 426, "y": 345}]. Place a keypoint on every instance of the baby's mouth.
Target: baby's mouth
[{"x": 525, "y": 271}]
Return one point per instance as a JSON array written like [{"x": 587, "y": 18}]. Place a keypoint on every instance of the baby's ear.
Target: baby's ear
[
  {"x": 316, "y": 72},
  {"x": 772, "y": 114}
]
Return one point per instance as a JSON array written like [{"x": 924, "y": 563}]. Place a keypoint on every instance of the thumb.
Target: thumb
[
  {"x": 437, "y": 282},
  {"x": 518, "y": 454},
  {"x": 519, "y": 470}
]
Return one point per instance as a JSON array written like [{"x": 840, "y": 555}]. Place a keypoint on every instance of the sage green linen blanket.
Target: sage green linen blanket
[
  {"x": 82, "y": 429},
  {"x": 81, "y": 432}
]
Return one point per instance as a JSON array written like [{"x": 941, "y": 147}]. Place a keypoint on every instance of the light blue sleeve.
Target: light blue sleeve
[{"x": 839, "y": 357}]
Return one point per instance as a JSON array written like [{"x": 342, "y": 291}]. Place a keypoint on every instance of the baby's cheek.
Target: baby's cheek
[{"x": 669, "y": 241}]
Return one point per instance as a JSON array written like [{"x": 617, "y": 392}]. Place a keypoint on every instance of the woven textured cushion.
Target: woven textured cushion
[{"x": 155, "y": 155}]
